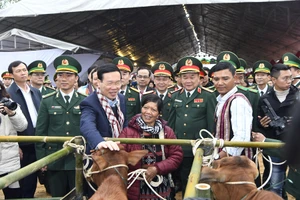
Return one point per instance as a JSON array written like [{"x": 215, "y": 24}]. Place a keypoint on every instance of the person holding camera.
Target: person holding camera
[
  {"x": 280, "y": 101},
  {"x": 11, "y": 121}
]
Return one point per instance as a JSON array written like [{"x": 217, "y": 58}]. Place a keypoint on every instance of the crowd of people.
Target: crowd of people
[{"x": 158, "y": 102}]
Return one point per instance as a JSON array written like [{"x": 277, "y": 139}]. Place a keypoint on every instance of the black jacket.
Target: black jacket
[{"x": 283, "y": 109}]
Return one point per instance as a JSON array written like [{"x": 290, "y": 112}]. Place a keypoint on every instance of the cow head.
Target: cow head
[
  {"x": 229, "y": 169},
  {"x": 104, "y": 158}
]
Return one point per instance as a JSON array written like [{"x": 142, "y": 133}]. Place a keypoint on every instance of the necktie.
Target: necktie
[
  {"x": 67, "y": 97},
  {"x": 161, "y": 96},
  {"x": 188, "y": 94},
  {"x": 122, "y": 92},
  {"x": 261, "y": 93}
]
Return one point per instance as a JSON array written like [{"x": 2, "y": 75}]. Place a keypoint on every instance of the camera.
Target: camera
[{"x": 11, "y": 105}]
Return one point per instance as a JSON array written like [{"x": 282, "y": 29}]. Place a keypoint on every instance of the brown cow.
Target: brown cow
[
  {"x": 112, "y": 177},
  {"x": 232, "y": 178}
]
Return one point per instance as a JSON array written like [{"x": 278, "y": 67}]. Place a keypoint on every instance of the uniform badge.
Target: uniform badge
[
  {"x": 188, "y": 62},
  {"x": 161, "y": 67},
  {"x": 120, "y": 62},
  {"x": 178, "y": 100},
  {"x": 226, "y": 56},
  {"x": 286, "y": 58},
  {"x": 40, "y": 65},
  {"x": 261, "y": 65},
  {"x": 56, "y": 107},
  {"x": 77, "y": 107},
  {"x": 199, "y": 100},
  {"x": 131, "y": 99},
  {"x": 199, "y": 90},
  {"x": 65, "y": 62}
]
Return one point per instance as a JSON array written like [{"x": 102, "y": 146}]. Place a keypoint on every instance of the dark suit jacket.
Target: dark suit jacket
[
  {"x": 94, "y": 124},
  {"x": 16, "y": 95}
]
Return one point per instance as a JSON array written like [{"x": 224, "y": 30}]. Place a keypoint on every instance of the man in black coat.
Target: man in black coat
[
  {"x": 29, "y": 99},
  {"x": 282, "y": 98}
]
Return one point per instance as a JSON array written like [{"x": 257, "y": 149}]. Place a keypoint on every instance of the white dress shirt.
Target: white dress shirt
[{"x": 241, "y": 120}]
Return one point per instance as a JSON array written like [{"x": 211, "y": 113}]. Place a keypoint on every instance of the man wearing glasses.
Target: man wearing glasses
[
  {"x": 36, "y": 72},
  {"x": 282, "y": 99},
  {"x": 143, "y": 79}
]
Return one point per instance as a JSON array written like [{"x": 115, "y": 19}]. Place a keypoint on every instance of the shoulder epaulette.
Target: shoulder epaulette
[
  {"x": 242, "y": 87},
  {"x": 51, "y": 88},
  {"x": 48, "y": 95},
  {"x": 134, "y": 89},
  {"x": 172, "y": 86},
  {"x": 148, "y": 92},
  {"x": 253, "y": 90},
  {"x": 206, "y": 89},
  {"x": 174, "y": 91}
]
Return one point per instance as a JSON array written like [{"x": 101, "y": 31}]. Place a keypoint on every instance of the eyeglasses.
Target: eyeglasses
[
  {"x": 142, "y": 77},
  {"x": 287, "y": 78}
]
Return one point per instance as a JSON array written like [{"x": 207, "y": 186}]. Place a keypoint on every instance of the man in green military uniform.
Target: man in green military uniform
[
  {"x": 261, "y": 71},
  {"x": 240, "y": 73},
  {"x": 59, "y": 115},
  {"x": 7, "y": 79},
  {"x": 192, "y": 109},
  {"x": 250, "y": 80},
  {"x": 47, "y": 82},
  {"x": 293, "y": 62},
  {"x": 36, "y": 72},
  {"x": 132, "y": 97}
]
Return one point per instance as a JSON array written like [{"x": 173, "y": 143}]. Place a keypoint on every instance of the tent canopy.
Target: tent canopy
[
  {"x": 148, "y": 33},
  {"x": 18, "y": 40}
]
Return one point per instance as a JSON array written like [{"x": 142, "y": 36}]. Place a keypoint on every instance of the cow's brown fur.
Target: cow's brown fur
[
  {"x": 110, "y": 184},
  {"x": 233, "y": 169}
]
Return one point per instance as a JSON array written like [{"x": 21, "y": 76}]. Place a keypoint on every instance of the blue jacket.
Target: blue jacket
[
  {"x": 17, "y": 96},
  {"x": 94, "y": 124}
]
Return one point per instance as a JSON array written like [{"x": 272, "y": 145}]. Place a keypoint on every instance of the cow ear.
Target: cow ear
[{"x": 135, "y": 156}]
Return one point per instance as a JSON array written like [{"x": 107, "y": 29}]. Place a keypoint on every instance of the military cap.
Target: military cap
[
  {"x": 66, "y": 64},
  {"x": 162, "y": 69},
  {"x": 228, "y": 56},
  {"x": 190, "y": 64},
  {"x": 243, "y": 65},
  {"x": 262, "y": 66},
  {"x": 250, "y": 76},
  {"x": 291, "y": 60},
  {"x": 37, "y": 66},
  {"x": 123, "y": 63},
  {"x": 47, "y": 80},
  {"x": 6, "y": 74}
]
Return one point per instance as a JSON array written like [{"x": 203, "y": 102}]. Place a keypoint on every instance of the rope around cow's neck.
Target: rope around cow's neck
[{"x": 139, "y": 174}]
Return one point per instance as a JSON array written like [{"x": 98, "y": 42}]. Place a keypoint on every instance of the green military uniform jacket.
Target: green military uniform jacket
[
  {"x": 188, "y": 116},
  {"x": 133, "y": 105},
  {"x": 55, "y": 119},
  {"x": 47, "y": 90},
  {"x": 292, "y": 185}
]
